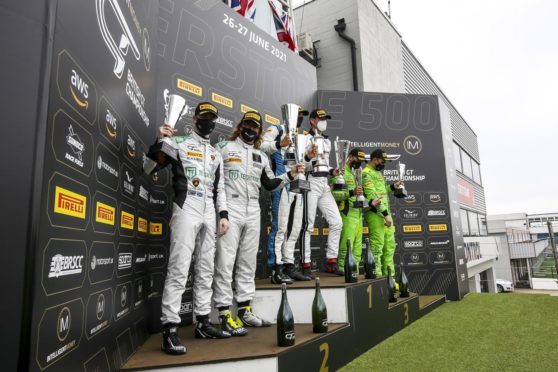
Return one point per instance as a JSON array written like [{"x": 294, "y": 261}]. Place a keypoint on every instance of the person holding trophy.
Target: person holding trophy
[
  {"x": 246, "y": 169},
  {"x": 350, "y": 205},
  {"x": 317, "y": 166},
  {"x": 286, "y": 205},
  {"x": 378, "y": 216},
  {"x": 199, "y": 195}
]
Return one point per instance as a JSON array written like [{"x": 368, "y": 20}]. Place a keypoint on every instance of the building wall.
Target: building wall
[
  {"x": 318, "y": 18},
  {"x": 380, "y": 51}
]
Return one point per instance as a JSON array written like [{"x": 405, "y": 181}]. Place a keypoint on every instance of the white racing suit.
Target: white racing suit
[
  {"x": 198, "y": 180},
  {"x": 286, "y": 206},
  {"x": 320, "y": 197},
  {"x": 245, "y": 169}
]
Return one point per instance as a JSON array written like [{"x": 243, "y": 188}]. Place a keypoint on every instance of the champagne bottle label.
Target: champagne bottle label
[{"x": 289, "y": 335}]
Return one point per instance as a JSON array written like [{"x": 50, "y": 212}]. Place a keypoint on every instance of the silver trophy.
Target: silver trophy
[
  {"x": 300, "y": 184},
  {"x": 289, "y": 111},
  {"x": 321, "y": 167},
  {"x": 341, "y": 155},
  {"x": 360, "y": 202},
  {"x": 165, "y": 151},
  {"x": 400, "y": 192}
]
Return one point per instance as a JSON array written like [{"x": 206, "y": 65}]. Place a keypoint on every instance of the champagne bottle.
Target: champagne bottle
[
  {"x": 403, "y": 283},
  {"x": 351, "y": 270},
  {"x": 285, "y": 321},
  {"x": 391, "y": 285},
  {"x": 369, "y": 263},
  {"x": 319, "y": 311}
]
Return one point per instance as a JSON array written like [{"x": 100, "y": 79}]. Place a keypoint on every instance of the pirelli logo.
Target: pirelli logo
[
  {"x": 325, "y": 231},
  {"x": 316, "y": 231},
  {"x": 142, "y": 225},
  {"x": 271, "y": 119},
  {"x": 233, "y": 160},
  {"x": 127, "y": 220},
  {"x": 365, "y": 229},
  {"x": 189, "y": 87},
  {"x": 222, "y": 100},
  {"x": 194, "y": 154},
  {"x": 412, "y": 228},
  {"x": 155, "y": 228},
  {"x": 438, "y": 227},
  {"x": 244, "y": 108},
  {"x": 104, "y": 214},
  {"x": 69, "y": 203}
]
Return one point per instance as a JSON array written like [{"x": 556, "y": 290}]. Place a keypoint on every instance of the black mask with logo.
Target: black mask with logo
[
  {"x": 205, "y": 127},
  {"x": 380, "y": 167},
  {"x": 248, "y": 135},
  {"x": 356, "y": 164}
]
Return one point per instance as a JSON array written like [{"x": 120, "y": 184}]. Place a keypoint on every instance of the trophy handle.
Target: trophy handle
[{"x": 166, "y": 99}]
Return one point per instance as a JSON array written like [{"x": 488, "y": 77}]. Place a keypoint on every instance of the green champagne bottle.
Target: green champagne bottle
[
  {"x": 285, "y": 321},
  {"x": 351, "y": 270},
  {"x": 369, "y": 263},
  {"x": 403, "y": 283},
  {"x": 391, "y": 285},
  {"x": 319, "y": 311}
]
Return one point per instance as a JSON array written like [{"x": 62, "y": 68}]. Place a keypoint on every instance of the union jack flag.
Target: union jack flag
[
  {"x": 246, "y": 8},
  {"x": 284, "y": 34}
]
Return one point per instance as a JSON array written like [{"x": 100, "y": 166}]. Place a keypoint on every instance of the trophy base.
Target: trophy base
[
  {"x": 163, "y": 153},
  {"x": 339, "y": 186},
  {"x": 400, "y": 193},
  {"x": 370, "y": 276},
  {"x": 359, "y": 204},
  {"x": 404, "y": 294},
  {"x": 299, "y": 186}
]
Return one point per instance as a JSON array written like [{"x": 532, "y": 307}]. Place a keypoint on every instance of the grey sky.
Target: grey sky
[{"x": 497, "y": 61}]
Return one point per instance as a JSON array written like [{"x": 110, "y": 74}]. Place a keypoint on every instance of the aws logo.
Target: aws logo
[{"x": 79, "y": 90}]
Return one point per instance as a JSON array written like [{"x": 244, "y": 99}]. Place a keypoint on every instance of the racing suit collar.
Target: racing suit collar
[
  {"x": 312, "y": 133},
  {"x": 200, "y": 138},
  {"x": 242, "y": 143}
]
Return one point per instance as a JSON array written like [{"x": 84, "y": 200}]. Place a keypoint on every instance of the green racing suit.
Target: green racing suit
[
  {"x": 382, "y": 238},
  {"x": 351, "y": 217}
]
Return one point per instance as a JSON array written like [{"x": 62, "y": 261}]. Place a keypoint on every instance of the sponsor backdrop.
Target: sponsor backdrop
[
  {"x": 103, "y": 226},
  {"x": 101, "y": 248},
  {"x": 429, "y": 250}
]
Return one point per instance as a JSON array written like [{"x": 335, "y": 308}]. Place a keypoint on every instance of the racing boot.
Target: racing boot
[
  {"x": 278, "y": 277},
  {"x": 171, "y": 342},
  {"x": 331, "y": 267},
  {"x": 290, "y": 270},
  {"x": 204, "y": 329},
  {"x": 248, "y": 319},
  {"x": 229, "y": 325},
  {"x": 307, "y": 271}
]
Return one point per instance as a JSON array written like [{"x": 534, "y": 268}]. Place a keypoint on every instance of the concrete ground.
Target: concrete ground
[{"x": 536, "y": 291}]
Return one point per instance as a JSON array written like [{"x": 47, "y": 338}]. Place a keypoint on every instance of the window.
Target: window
[
  {"x": 467, "y": 169},
  {"x": 473, "y": 224},
  {"x": 457, "y": 157},
  {"x": 476, "y": 172},
  {"x": 482, "y": 224},
  {"x": 464, "y": 222}
]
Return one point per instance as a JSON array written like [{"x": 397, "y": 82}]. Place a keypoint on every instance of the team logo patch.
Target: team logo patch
[{"x": 196, "y": 182}]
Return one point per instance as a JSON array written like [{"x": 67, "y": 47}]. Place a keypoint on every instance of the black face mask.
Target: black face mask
[
  {"x": 356, "y": 164},
  {"x": 299, "y": 121},
  {"x": 248, "y": 135},
  {"x": 205, "y": 126},
  {"x": 380, "y": 167}
]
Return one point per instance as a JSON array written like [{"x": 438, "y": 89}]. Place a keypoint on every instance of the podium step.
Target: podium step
[
  {"x": 254, "y": 351},
  {"x": 359, "y": 314}
]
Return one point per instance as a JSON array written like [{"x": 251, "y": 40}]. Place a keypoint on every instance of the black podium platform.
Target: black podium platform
[{"x": 370, "y": 319}]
